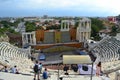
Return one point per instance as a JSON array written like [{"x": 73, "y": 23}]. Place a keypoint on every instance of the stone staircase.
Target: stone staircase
[{"x": 11, "y": 56}]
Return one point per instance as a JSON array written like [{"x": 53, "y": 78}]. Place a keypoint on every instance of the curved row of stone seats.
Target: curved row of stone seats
[
  {"x": 107, "y": 50},
  {"x": 11, "y": 56},
  {"x": 11, "y": 51},
  {"x": 110, "y": 53},
  {"x": 3, "y": 61},
  {"x": 108, "y": 67}
]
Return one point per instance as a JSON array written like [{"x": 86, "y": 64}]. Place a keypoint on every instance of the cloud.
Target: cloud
[
  {"x": 110, "y": 7},
  {"x": 103, "y": 5}
]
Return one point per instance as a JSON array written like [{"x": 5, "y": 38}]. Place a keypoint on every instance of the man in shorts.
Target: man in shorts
[{"x": 36, "y": 70}]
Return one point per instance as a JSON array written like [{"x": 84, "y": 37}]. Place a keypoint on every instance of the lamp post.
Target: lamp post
[
  {"x": 58, "y": 71},
  {"x": 58, "y": 63},
  {"x": 91, "y": 72}
]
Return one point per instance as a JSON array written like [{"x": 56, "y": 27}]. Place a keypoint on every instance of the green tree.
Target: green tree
[
  {"x": 96, "y": 26},
  {"x": 76, "y": 24},
  {"x": 30, "y": 26},
  {"x": 114, "y": 31}
]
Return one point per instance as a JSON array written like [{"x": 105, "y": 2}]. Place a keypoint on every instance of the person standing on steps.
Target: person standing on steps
[
  {"x": 98, "y": 69},
  {"x": 36, "y": 70},
  {"x": 40, "y": 68}
]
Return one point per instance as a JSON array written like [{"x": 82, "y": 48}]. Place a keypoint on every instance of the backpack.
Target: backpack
[{"x": 36, "y": 68}]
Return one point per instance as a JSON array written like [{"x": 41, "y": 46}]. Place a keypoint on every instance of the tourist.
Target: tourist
[
  {"x": 36, "y": 70},
  {"x": 32, "y": 57},
  {"x": 40, "y": 68},
  {"x": 74, "y": 67},
  {"x": 98, "y": 69},
  {"x": 45, "y": 74},
  {"x": 66, "y": 68},
  {"x": 15, "y": 70},
  {"x": 5, "y": 69}
]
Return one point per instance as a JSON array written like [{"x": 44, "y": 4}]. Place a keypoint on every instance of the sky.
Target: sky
[{"x": 90, "y": 8}]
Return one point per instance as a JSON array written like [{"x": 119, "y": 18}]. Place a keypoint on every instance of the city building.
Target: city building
[
  {"x": 31, "y": 19},
  {"x": 112, "y": 19}
]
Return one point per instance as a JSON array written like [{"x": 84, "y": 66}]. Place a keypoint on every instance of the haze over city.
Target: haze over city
[{"x": 15, "y": 8}]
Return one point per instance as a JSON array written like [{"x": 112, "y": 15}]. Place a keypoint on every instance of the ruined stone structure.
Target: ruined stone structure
[
  {"x": 28, "y": 38},
  {"x": 66, "y": 34},
  {"x": 107, "y": 50},
  {"x": 65, "y": 25},
  {"x": 83, "y": 30},
  {"x": 11, "y": 56}
]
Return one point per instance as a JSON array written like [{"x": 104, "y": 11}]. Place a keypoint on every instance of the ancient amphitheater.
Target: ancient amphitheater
[
  {"x": 11, "y": 55},
  {"x": 108, "y": 52}
]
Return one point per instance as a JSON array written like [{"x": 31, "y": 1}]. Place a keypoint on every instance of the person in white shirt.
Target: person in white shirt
[
  {"x": 40, "y": 68},
  {"x": 14, "y": 70}
]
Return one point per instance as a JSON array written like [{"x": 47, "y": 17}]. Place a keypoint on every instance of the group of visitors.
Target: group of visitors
[
  {"x": 12, "y": 70},
  {"x": 38, "y": 70}
]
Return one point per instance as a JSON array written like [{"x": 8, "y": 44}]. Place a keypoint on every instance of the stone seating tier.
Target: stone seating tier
[
  {"x": 11, "y": 56},
  {"x": 107, "y": 50}
]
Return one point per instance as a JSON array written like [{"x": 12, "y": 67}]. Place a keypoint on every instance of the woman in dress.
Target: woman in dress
[{"x": 98, "y": 69}]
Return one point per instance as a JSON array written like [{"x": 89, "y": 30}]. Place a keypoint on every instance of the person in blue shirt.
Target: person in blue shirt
[{"x": 45, "y": 74}]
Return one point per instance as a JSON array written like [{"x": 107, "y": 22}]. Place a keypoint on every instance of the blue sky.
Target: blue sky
[{"x": 95, "y": 8}]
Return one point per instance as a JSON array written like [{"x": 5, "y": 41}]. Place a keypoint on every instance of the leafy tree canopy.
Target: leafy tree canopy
[
  {"x": 30, "y": 26},
  {"x": 96, "y": 26}
]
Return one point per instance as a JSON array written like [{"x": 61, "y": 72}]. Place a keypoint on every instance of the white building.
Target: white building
[
  {"x": 31, "y": 19},
  {"x": 43, "y": 20}
]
